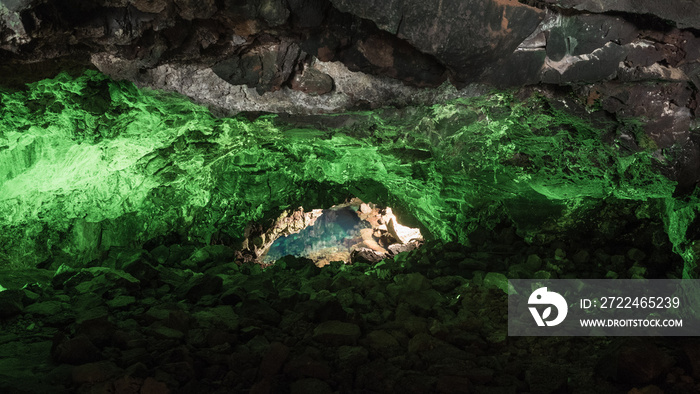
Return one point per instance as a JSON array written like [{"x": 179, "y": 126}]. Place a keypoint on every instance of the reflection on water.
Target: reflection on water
[{"x": 330, "y": 238}]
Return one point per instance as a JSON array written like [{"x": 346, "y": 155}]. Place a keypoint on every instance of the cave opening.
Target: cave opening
[{"x": 353, "y": 231}]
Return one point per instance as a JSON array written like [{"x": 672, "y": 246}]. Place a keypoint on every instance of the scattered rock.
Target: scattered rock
[
  {"x": 367, "y": 256},
  {"x": 78, "y": 350},
  {"x": 635, "y": 362},
  {"x": 310, "y": 385},
  {"x": 636, "y": 255},
  {"x": 533, "y": 263},
  {"x": 312, "y": 82},
  {"x": 381, "y": 340},
  {"x": 350, "y": 357},
  {"x": 95, "y": 372},
  {"x": 496, "y": 280},
  {"x": 152, "y": 386},
  {"x": 11, "y": 303},
  {"x": 47, "y": 308},
  {"x": 202, "y": 285},
  {"x": 454, "y": 385},
  {"x": 337, "y": 333},
  {"x": 547, "y": 378},
  {"x": 307, "y": 366},
  {"x": 273, "y": 360}
]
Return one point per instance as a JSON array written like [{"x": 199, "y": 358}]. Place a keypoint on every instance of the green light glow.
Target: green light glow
[{"x": 88, "y": 163}]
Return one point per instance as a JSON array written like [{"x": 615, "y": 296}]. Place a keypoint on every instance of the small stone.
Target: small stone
[
  {"x": 519, "y": 271},
  {"x": 310, "y": 385},
  {"x": 453, "y": 385},
  {"x": 412, "y": 282},
  {"x": 381, "y": 340},
  {"x": 94, "y": 372},
  {"x": 533, "y": 263},
  {"x": 150, "y": 6},
  {"x": 164, "y": 332},
  {"x": 138, "y": 369},
  {"x": 11, "y": 303},
  {"x": 312, "y": 82},
  {"x": 422, "y": 342},
  {"x": 581, "y": 257},
  {"x": 273, "y": 360},
  {"x": 141, "y": 270},
  {"x": 160, "y": 254},
  {"x": 121, "y": 301},
  {"x": 350, "y": 357},
  {"x": 480, "y": 375},
  {"x": 400, "y": 248},
  {"x": 447, "y": 283},
  {"x": 47, "y": 308},
  {"x": 196, "y": 9},
  {"x": 100, "y": 330},
  {"x": 96, "y": 312},
  {"x": 220, "y": 316},
  {"x": 306, "y": 366},
  {"x": 546, "y": 378},
  {"x": 637, "y": 272},
  {"x": 152, "y": 386},
  {"x": 478, "y": 278},
  {"x": 92, "y": 286},
  {"x": 63, "y": 274},
  {"x": 559, "y": 254},
  {"x": 692, "y": 351},
  {"x": 336, "y": 333},
  {"x": 617, "y": 261},
  {"x": 496, "y": 280},
  {"x": 611, "y": 275},
  {"x": 636, "y": 255},
  {"x": 367, "y": 255},
  {"x": 635, "y": 361},
  {"x": 78, "y": 350},
  {"x": 219, "y": 254},
  {"x": 650, "y": 389},
  {"x": 29, "y": 296},
  {"x": 424, "y": 301},
  {"x": 262, "y": 387},
  {"x": 182, "y": 371},
  {"x": 414, "y": 325},
  {"x": 128, "y": 385},
  {"x": 201, "y": 286},
  {"x": 132, "y": 356},
  {"x": 543, "y": 275},
  {"x": 155, "y": 313},
  {"x": 231, "y": 297},
  {"x": 470, "y": 264}
]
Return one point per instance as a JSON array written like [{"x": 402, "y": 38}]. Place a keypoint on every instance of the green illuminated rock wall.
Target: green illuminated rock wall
[{"x": 87, "y": 164}]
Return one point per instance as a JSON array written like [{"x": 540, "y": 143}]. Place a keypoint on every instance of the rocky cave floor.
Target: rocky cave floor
[{"x": 184, "y": 319}]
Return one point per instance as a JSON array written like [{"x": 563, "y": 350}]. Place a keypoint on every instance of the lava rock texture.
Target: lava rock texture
[
  {"x": 432, "y": 320},
  {"x": 632, "y": 59}
]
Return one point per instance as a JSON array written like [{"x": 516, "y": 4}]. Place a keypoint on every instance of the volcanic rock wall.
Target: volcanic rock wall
[
  {"x": 631, "y": 59},
  {"x": 633, "y": 69},
  {"x": 311, "y": 48}
]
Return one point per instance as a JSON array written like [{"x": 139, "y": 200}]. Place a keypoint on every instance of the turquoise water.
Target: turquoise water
[{"x": 336, "y": 229}]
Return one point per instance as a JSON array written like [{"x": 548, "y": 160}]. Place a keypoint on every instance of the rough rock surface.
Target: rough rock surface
[
  {"x": 192, "y": 176},
  {"x": 122, "y": 210},
  {"x": 638, "y": 61},
  {"x": 420, "y": 322},
  {"x": 114, "y": 166},
  {"x": 466, "y": 36},
  {"x": 680, "y": 13},
  {"x": 329, "y": 56}
]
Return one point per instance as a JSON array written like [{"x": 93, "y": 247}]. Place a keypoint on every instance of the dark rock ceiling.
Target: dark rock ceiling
[{"x": 638, "y": 60}]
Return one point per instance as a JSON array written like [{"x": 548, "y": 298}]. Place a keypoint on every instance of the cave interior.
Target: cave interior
[{"x": 330, "y": 196}]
